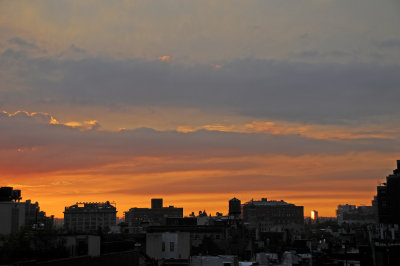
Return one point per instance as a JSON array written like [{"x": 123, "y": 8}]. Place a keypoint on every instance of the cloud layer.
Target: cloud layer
[
  {"x": 80, "y": 161},
  {"x": 326, "y": 93}
]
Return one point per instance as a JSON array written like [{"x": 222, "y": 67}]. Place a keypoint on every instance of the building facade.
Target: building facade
[
  {"x": 351, "y": 214},
  {"x": 15, "y": 214},
  {"x": 156, "y": 215},
  {"x": 12, "y": 217},
  {"x": 177, "y": 242},
  {"x": 168, "y": 245},
  {"x": 272, "y": 213},
  {"x": 90, "y": 217}
]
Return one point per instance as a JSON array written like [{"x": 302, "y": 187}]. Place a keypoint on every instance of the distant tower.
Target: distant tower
[
  {"x": 314, "y": 216},
  {"x": 156, "y": 203},
  {"x": 235, "y": 207}
]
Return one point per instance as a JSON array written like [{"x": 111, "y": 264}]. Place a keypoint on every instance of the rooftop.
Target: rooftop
[
  {"x": 91, "y": 205},
  {"x": 265, "y": 202}
]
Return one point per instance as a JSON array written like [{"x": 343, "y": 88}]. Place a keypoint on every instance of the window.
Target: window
[
  {"x": 171, "y": 246},
  {"x": 163, "y": 246}
]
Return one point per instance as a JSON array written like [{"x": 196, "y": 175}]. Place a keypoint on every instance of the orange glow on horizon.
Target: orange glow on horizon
[
  {"x": 198, "y": 188},
  {"x": 192, "y": 179},
  {"x": 212, "y": 203}
]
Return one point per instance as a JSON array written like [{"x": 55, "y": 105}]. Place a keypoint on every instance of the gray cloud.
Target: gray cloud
[
  {"x": 76, "y": 49},
  {"x": 320, "y": 92},
  {"x": 304, "y": 36},
  {"x": 309, "y": 53},
  {"x": 23, "y": 43},
  {"x": 392, "y": 43}
]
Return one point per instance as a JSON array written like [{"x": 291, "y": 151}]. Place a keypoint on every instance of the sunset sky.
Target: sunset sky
[{"x": 198, "y": 102}]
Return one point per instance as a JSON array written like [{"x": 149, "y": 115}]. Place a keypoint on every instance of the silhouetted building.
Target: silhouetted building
[
  {"x": 8, "y": 194},
  {"x": 155, "y": 216},
  {"x": 235, "y": 207},
  {"x": 156, "y": 203},
  {"x": 12, "y": 213},
  {"x": 342, "y": 209},
  {"x": 388, "y": 197},
  {"x": 35, "y": 217},
  {"x": 90, "y": 217},
  {"x": 272, "y": 212},
  {"x": 351, "y": 214},
  {"x": 181, "y": 221},
  {"x": 15, "y": 214},
  {"x": 383, "y": 204},
  {"x": 12, "y": 216}
]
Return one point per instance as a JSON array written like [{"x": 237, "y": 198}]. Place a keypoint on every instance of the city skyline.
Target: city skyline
[
  {"x": 197, "y": 103},
  {"x": 186, "y": 213}
]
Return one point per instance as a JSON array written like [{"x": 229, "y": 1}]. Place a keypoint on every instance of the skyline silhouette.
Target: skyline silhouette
[
  {"x": 199, "y": 103},
  {"x": 229, "y": 132}
]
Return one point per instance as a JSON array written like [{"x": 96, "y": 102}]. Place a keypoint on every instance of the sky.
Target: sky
[{"x": 198, "y": 102}]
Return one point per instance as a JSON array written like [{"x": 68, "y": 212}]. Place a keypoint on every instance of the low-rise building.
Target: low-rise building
[
  {"x": 168, "y": 245},
  {"x": 156, "y": 215},
  {"x": 272, "y": 212},
  {"x": 352, "y": 214},
  {"x": 179, "y": 241},
  {"x": 90, "y": 217}
]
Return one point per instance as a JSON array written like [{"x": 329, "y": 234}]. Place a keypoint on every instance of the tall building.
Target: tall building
[
  {"x": 12, "y": 212},
  {"x": 15, "y": 214},
  {"x": 388, "y": 198},
  {"x": 272, "y": 212},
  {"x": 89, "y": 217},
  {"x": 235, "y": 207},
  {"x": 314, "y": 216},
  {"x": 155, "y": 216}
]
